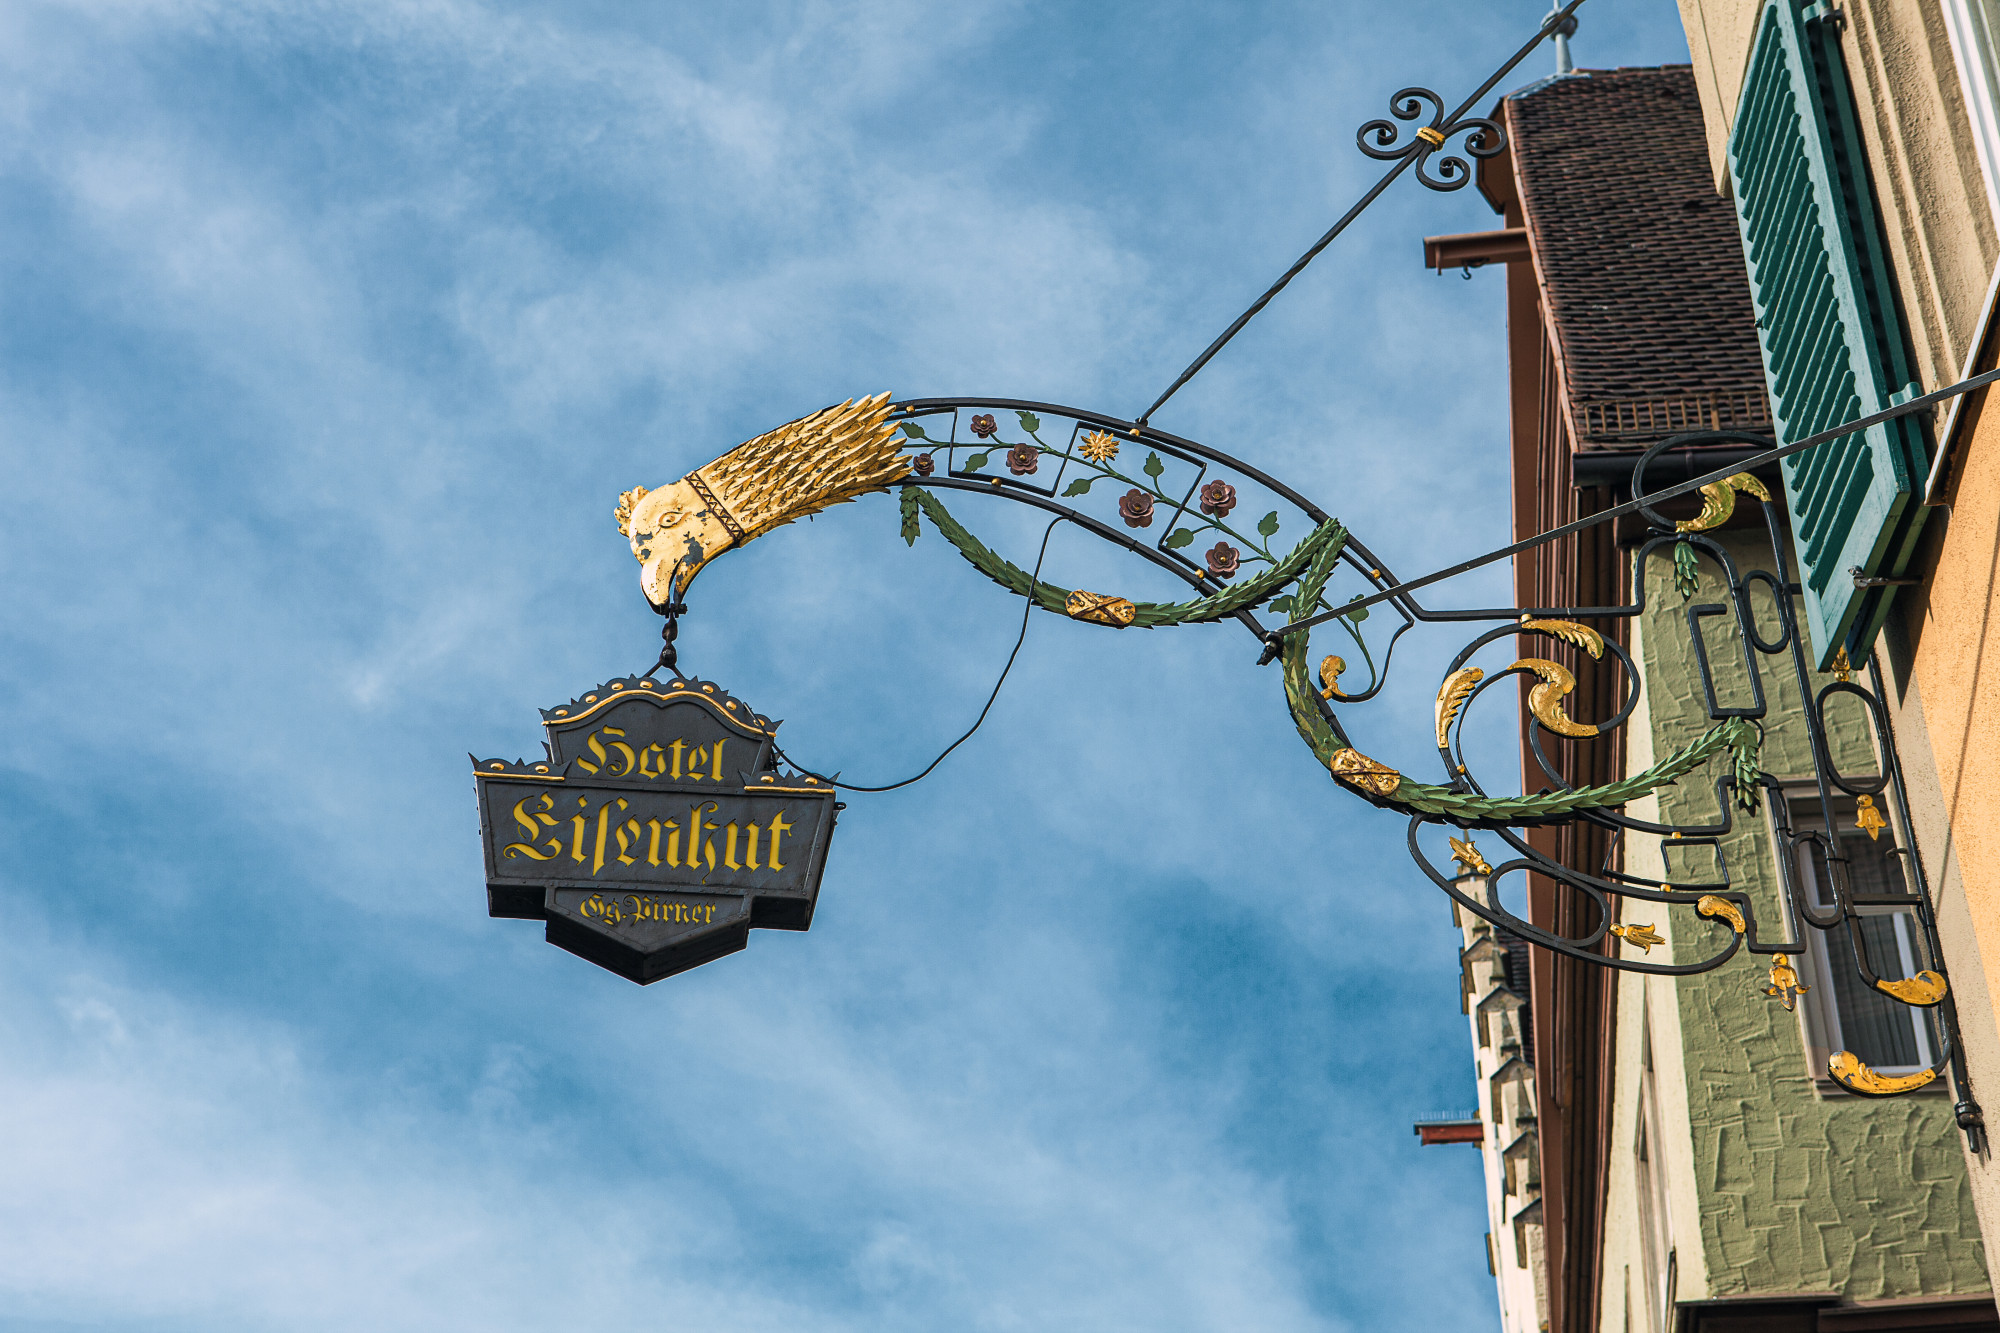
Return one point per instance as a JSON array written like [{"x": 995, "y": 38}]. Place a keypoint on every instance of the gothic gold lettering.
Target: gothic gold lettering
[
  {"x": 751, "y": 859},
  {"x": 678, "y": 747},
  {"x": 630, "y": 760},
  {"x": 697, "y": 758},
  {"x": 779, "y": 828},
  {"x": 716, "y": 750},
  {"x": 578, "y": 824},
  {"x": 700, "y": 849},
  {"x": 729, "y": 847},
  {"x": 627, "y": 843},
  {"x": 533, "y": 822},
  {"x": 653, "y": 762}
]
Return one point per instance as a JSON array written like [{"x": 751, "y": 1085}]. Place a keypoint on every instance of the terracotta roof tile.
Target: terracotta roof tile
[{"x": 1638, "y": 256}]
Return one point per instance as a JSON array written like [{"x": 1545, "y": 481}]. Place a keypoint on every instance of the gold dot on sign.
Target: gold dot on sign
[
  {"x": 645, "y": 684},
  {"x": 541, "y": 768},
  {"x": 561, "y": 711},
  {"x": 590, "y": 698},
  {"x": 496, "y": 765},
  {"x": 708, "y": 689},
  {"x": 730, "y": 704},
  {"x": 616, "y": 688}
]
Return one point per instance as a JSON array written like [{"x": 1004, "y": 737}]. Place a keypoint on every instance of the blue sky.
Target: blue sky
[{"x": 334, "y": 332}]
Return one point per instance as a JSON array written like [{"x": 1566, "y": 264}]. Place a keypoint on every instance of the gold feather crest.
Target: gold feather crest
[
  {"x": 1451, "y": 698},
  {"x": 1583, "y": 636}
]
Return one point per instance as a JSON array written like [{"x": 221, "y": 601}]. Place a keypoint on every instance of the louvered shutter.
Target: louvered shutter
[{"x": 1826, "y": 318}]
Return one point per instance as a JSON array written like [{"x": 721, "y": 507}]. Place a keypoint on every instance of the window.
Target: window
[
  {"x": 1842, "y": 1012},
  {"x": 1974, "y": 26},
  {"x": 1650, "y": 1183}
]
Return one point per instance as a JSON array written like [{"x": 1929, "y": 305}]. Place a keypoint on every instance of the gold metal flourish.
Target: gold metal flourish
[
  {"x": 1099, "y": 608},
  {"x": 1867, "y": 818},
  {"x": 1100, "y": 446},
  {"x": 1923, "y": 990},
  {"x": 1785, "y": 984},
  {"x": 1451, "y": 698},
  {"x": 1583, "y": 636},
  {"x": 1718, "y": 502},
  {"x": 1720, "y": 909},
  {"x": 1357, "y": 769},
  {"x": 1545, "y": 699},
  {"x": 1430, "y": 136},
  {"x": 1643, "y": 936},
  {"x": 1843, "y": 670},
  {"x": 1468, "y": 857},
  {"x": 1848, "y": 1071},
  {"x": 1330, "y": 668}
]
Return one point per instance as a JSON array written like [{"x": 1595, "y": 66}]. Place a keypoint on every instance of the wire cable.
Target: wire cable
[{"x": 1034, "y": 586}]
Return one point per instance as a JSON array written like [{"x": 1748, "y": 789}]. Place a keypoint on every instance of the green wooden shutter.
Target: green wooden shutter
[{"x": 1826, "y": 318}]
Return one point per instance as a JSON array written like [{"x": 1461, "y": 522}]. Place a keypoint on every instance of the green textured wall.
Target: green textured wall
[{"x": 1797, "y": 1192}]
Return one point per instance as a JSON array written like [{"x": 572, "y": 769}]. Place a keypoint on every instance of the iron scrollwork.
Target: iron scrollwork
[
  {"x": 1379, "y": 138},
  {"x": 1186, "y": 508}
]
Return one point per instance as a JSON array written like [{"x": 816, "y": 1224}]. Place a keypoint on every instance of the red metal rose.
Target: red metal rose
[
  {"x": 1023, "y": 459},
  {"x": 984, "y": 425},
  {"x": 1223, "y": 560},
  {"x": 1218, "y": 498},
  {"x": 924, "y": 465},
  {"x": 1136, "y": 509}
]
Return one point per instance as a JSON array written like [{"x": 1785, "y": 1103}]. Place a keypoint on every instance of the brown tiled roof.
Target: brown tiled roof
[{"x": 1638, "y": 256}]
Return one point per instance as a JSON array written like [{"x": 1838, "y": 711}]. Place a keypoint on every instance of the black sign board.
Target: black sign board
[{"x": 658, "y": 832}]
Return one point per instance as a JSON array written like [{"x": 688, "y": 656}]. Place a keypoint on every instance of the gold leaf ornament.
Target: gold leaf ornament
[
  {"x": 1451, "y": 697},
  {"x": 1330, "y": 668},
  {"x": 1468, "y": 857},
  {"x": 1785, "y": 984},
  {"x": 1720, "y": 909},
  {"x": 1718, "y": 502},
  {"x": 1923, "y": 990},
  {"x": 1848, "y": 1071},
  {"x": 1867, "y": 818},
  {"x": 1583, "y": 636},
  {"x": 1642, "y": 935},
  {"x": 1358, "y": 770},
  {"x": 1545, "y": 700},
  {"x": 1100, "y": 608}
]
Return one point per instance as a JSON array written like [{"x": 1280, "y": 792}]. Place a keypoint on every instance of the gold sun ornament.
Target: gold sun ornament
[{"x": 1100, "y": 446}]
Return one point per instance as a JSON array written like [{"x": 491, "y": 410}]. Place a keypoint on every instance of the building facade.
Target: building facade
[
  {"x": 1886, "y": 109},
  {"x": 1695, "y": 1165}
]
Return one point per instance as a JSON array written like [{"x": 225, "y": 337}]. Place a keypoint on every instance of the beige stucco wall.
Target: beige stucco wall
[
  {"x": 1943, "y": 674},
  {"x": 1926, "y": 175},
  {"x": 1972, "y": 981}
]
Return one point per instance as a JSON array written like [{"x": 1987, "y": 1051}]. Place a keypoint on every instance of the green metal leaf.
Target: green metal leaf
[
  {"x": 974, "y": 463},
  {"x": 1030, "y": 422},
  {"x": 1179, "y": 538},
  {"x": 1268, "y": 525},
  {"x": 1359, "y": 613},
  {"x": 914, "y": 431},
  {"x": 1154, "y": 467},
  {"x": 1282, "y": 605},
  {"x": 910, "y": 515},
  {"x": 1078, "y": 487}
]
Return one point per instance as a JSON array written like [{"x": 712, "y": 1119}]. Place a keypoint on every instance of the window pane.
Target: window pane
[
  {"x": 1873, "y": 866},
  {"x": 1877, "y": 1029}
]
